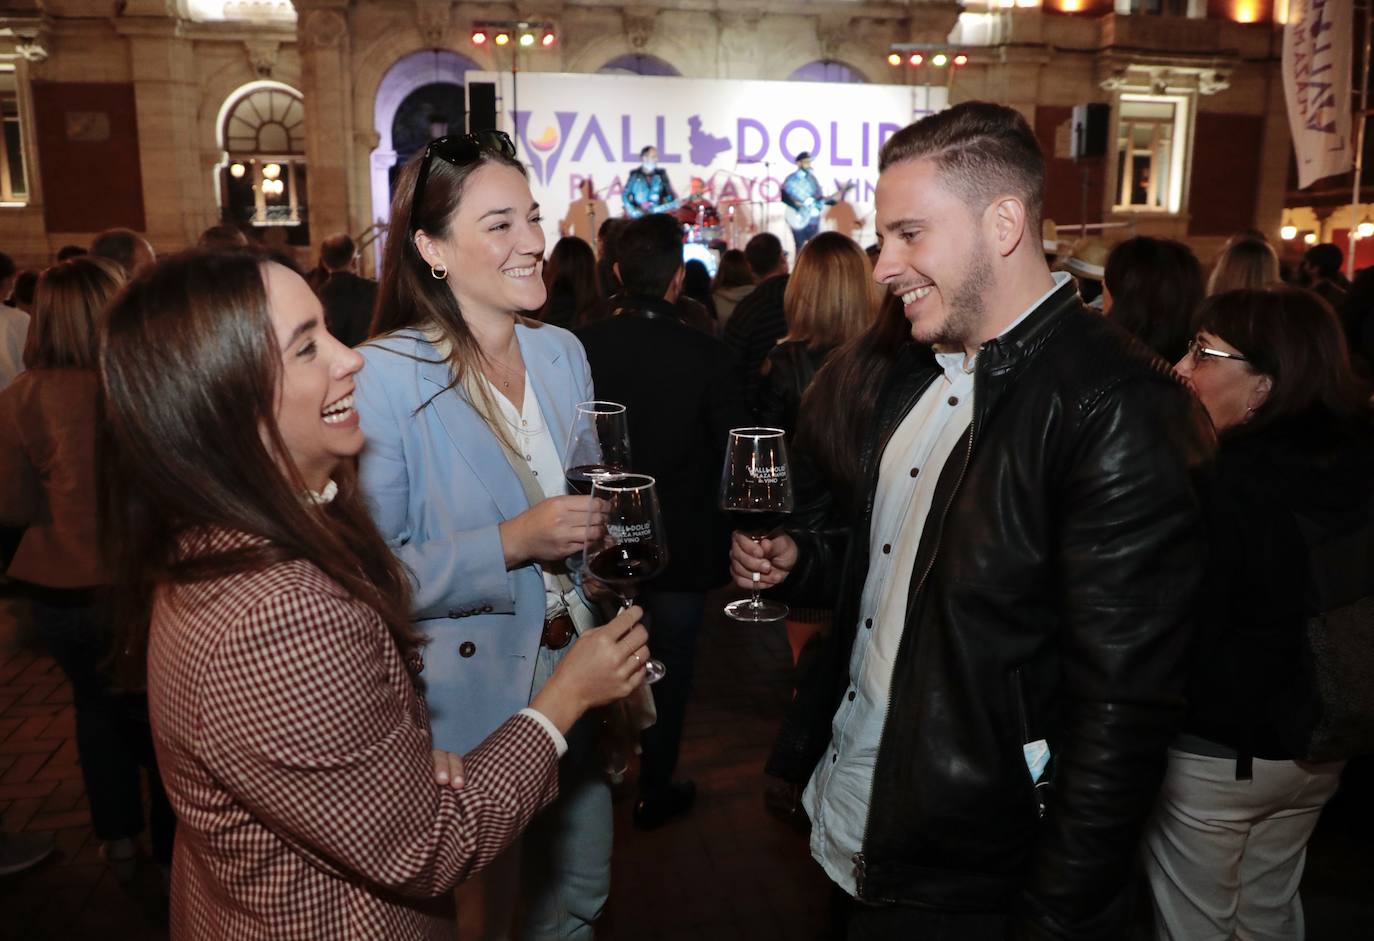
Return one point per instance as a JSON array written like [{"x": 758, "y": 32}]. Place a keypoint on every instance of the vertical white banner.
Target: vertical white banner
[
  {"x": 1317, "y": 43},
  {"x": 736, "y": 139}
]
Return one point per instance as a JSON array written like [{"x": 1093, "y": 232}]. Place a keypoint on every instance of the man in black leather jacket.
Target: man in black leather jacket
[{"x": 1016, "y": 577}]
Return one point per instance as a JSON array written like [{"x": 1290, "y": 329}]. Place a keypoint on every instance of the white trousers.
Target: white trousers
[{"x": 1225, "y": 857}]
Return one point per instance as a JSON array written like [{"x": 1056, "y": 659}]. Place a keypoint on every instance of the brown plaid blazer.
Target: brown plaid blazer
[{"x": 297, "y": 756}]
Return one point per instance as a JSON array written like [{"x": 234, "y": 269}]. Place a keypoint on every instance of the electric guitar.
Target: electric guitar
[{"x": 799, "y": 217}]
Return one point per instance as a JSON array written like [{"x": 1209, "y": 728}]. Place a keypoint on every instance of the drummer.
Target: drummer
[{"x": 648, "y": 188}]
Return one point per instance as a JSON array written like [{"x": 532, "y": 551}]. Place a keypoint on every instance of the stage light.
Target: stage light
[
  {"x": 502, "y": 39},
  {"x": 236, "y": 170},
  {"x": 479, "y": 38},
  {"x": 1365, "y": 229},
  {"x": 939, "y": 59},
  {"x": 960, "y": 60},
  {"x": 527, "y": 39},
  {"x": 272, "y": 171},
  {"x": 893, "y": 59},
  {"x": 549, "y": 39},
  {"x": 916, "y": 59},
  {"x": 1310, "y": 238},
  {"x": 1288, "y": 232}
]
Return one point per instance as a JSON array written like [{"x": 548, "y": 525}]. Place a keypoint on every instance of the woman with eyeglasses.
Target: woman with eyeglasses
[
  {"x": 467, "y": 404},
  {"x": 275, "y": 626},
  {"x": 1225, "y": 850}
]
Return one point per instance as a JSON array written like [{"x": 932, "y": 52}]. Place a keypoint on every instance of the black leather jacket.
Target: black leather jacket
[{"x": 1052, "y": 597}]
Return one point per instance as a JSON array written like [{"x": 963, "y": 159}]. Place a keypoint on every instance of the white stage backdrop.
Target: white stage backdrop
[{"x": 740, "y": 138}]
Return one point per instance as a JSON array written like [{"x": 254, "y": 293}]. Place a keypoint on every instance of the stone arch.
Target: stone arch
[
  {"x": 638, "y": 63},
  {"x": 828, "y": 70}
]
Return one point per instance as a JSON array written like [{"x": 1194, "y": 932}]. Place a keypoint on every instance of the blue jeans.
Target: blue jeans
[
  {"x": 805, "y": 234},
  {"x": 113, "y": 737},
  {"x": 674, "y": 621},
  {"x": 554, "y": 881}
]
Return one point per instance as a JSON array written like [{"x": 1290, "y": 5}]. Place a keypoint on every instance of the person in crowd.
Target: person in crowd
[
  {"x": 570, "y": 279},
  {"x": 989, "y": 734},
  {"x": 14, "y": 326},
  {"x": 586, "y": 214},
  {"x": 801, "y": 192},
  {"x": 1321, "y": 273},
  {"x": 647, "y": 188},
  {"x": 281, "y": 658},
  {"x": 828, "y": 302},
  {"x": 1086, "y": 261},
  {"x": 348, "y": 297},
  {"x": 222, "y": 236},
  {"x": 1357, "y": 317},
  {"x": 733, "y": 282},
  {"x": 758, "y": 322},
  {"x": 682, "y": 398},
  {"x": 70, "y": 251},
  {"x": 48, "y": 421},
  {"x": 1245, "y": 264},
  {"x": 25, "y": 284},
  {"x": 1224, "y": 852},
  {"x": 1152, "y": 289},
  {"x": 467, "y": 407},
  {"x": 124, "y": 247},
  {"x": 607, "y": 251},
  {"x": 696, "y": 286}
]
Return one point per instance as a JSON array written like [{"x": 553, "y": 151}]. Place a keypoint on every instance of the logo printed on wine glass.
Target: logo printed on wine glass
[
  {"x": 630, "y": 532},
  {"x": 768, "y": 473}
]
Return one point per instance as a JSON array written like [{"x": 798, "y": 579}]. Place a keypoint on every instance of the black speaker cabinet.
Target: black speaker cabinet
[
  {"x": 481, "y": 106},
  {"x": 1088, "y": 131}
]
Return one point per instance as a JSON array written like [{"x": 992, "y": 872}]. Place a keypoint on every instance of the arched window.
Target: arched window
[
  {"x": 637, "y": 65},
  {"x": 263, "y": 179},
  {"x": 828, "y": 70}
]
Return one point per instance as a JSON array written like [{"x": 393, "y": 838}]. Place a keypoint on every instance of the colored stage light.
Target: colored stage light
[
  {"x": 502, "y": 38},
  {"x": 917, "y": 59},
  {"x": 960, "y": 60},
  {"x": 479, "y": 38},
  {"x": 894, "y": 59},
  {"x": 548, "y": 40},
  {"x": 527, "y": 39},
  {"x": 939, "y": 59}
]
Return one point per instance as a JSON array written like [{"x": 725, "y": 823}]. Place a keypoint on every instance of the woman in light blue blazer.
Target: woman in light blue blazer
[{"x": 466, "y": 408}]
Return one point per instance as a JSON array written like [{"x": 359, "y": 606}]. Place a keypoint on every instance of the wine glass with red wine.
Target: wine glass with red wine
[
  {"x": 632, "y": 548},
  {"x": 598, "y": 444},
  {"x": 756, "y": 492}
]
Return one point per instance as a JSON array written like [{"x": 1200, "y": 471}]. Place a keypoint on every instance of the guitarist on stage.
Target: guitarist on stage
[
  {"x": 647, "y": 190},
  {"x": 801, "y": 192}
]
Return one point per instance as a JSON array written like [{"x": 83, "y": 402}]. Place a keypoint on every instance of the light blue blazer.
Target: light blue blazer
[{"x": 438, "y": 486}]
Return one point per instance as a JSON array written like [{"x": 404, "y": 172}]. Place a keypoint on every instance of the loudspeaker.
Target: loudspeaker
[
  {"x": 1088, "y": 133},
  {"x": 481, "y": 106}
]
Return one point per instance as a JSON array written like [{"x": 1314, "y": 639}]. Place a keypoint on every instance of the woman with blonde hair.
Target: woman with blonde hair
[
  {"x": 48, "y": 484},
  {"x": 1247, "y": 264},
  {"x": 829, "y": 300}
]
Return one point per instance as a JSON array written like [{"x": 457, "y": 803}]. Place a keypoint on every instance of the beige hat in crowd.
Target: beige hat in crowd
[
  {"x": 1049, "y": 238},
  {"x": 1087, "y": 259}
]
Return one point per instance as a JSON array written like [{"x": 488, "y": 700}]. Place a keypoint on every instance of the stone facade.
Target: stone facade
[{"x": 184, "y": 59}]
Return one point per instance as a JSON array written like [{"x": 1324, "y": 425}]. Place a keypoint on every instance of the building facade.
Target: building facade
[{"x": 167, "y": 116}]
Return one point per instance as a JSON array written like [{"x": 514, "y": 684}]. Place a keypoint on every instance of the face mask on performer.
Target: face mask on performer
[{"x": 649, "y": 160}]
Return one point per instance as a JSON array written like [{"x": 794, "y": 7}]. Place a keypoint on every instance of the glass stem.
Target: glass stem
[{"x": 754, "y": 600}]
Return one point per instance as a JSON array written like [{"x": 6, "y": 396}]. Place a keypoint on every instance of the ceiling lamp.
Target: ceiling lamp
[
  {"x": 1288, "y": 232},
  {"x": 271, "y": 171},
  {"x": 236, "y": 170}
]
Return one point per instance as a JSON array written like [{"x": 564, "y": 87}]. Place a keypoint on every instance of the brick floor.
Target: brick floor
[{"x": 729, "y": 871}]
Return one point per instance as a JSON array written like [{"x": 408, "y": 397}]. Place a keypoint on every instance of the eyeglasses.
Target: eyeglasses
[
  {"x": 1201, "y": 353},
  {"x": 458, "y": 151}
]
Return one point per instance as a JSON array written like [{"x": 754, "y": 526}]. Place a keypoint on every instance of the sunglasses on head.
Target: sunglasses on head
[{"x": 459, "y": 151}]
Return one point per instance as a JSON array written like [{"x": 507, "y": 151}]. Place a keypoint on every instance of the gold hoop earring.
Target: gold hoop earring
[{"x": 438, "y": 272}]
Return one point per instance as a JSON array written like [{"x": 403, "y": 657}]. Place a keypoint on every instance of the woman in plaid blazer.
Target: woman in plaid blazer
[{"x": 285, "y": 710}]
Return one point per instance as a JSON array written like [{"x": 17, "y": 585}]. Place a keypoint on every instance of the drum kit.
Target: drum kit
[{"x": 709, "y": 229}]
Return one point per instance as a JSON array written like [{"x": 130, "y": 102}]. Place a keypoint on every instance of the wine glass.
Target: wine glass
[
  {"x": 756, "y": 490},
  {"x": 598, "y": 444},
  {"x": 631, "y": 549}
]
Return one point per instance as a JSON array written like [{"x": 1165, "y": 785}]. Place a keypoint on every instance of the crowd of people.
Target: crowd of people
[{"x": 1071, "y": 586}]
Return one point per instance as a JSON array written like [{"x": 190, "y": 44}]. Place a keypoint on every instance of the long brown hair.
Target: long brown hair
[
  {"x": 838, "y": 407},
  {"x": 409, "y": 295},
  {"x": 571, "y": 272},
  {"x": 1245, "y": 265},
  {"x": 829, "y": 298},
  {"x": 68, "y": 305},
  {"x": 190, "y": 370}
]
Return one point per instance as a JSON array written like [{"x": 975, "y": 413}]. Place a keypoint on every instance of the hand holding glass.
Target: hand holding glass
[
  {"x": 632, "y": 548},
  {"x": 598, "y": 444},
  {"x": 756, "y": 490}
]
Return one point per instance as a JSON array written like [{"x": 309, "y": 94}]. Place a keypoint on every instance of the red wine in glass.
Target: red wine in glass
[
  {"x": 598, "y": 445},
  {"x": 632, "y": 549},
  {"x": 581, "y": 477},
  {"x": 756, "y": 491}
]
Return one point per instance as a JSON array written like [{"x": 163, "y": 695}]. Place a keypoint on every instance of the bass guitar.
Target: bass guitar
[{"x": 799, "y": 217}]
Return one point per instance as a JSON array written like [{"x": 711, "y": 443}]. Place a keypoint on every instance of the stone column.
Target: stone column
[
  {"x": 178, "y": 201},
  {"x": 327, "y": 84}
]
